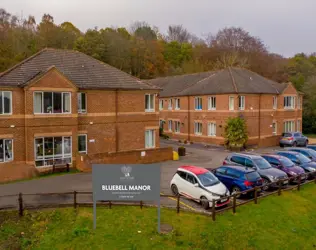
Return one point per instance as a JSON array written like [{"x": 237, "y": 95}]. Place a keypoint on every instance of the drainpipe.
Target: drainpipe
[
  {"x": 259, "y": 118},
  {"x": 116, "y": 126},
  {"x": 189, "y": 119},
  {"x": 25, "y": 129}
]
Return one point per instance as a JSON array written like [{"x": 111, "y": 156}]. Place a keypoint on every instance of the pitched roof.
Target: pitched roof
[
  {"x": 226, "y": 81},
  {"x": 84, "y": 71}
]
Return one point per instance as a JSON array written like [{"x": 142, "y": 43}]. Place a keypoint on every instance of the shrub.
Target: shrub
[
  {"x": 236, "y": 132},
  {"x": 185, "y": 142},
  {"x": 179, "y": 141}
]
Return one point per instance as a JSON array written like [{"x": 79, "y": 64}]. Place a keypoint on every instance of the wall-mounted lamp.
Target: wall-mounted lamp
[{"x": 12, "y": 126}]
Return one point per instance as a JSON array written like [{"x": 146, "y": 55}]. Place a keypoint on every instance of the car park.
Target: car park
[
  {"x": 286, "y": 165},
  {"x": 238, "y": 178},
  {"x": 310, "y": 153},
  {"x": 265, "y": 170},
  {"x": 301, "y": 160},
  {"x": 199, "y": 184},
  {"x": 293, "y": 139}
]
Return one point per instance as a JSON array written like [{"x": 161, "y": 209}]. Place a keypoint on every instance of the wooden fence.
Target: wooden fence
[{"x": 233, "y": 198}]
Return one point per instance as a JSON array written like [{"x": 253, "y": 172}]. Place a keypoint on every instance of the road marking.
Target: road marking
[{"x": 182, "y": 203}]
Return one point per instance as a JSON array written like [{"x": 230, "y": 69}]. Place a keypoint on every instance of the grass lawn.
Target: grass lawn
[{"x": 286, "y": 222}]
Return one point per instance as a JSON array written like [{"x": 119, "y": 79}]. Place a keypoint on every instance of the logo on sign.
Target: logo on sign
[{"x": 126, "y": 170}]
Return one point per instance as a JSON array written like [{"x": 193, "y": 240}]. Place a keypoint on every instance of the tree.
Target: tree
[
  {"x": 144, "y": 31},
  {"x": 236, "y": 135},
  {"x": 176, "y": 33}
]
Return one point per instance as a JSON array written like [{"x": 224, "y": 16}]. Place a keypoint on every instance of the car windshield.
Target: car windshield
[
  {"x": 286, "y": 162},
  {"x": 262, "y": 163},
  {"x": 303, "y": 159},
  {"x": 311, "y": 152},
  {"x": 208, "y": 179},
  {"x": 286, "y": 135},
  {"x": 252, "y": 176}
]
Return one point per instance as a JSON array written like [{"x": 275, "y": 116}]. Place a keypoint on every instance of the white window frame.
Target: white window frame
[
  {"x": 275, "y": 102},
  {"x": 86, "y": 136},
  {"x": 62, "y": 103},
  {"x": 177, "y": 126},
  {"x": 4, "y": 156},
  {"x": 211, "y": 129},
  {"x": 197, "y": 101},
  {"x": 161, "y": 104},
  {"x": 242, "y": 102},
  {"x": 170, "y": 125},
  {"x": 170, "y": 104},
  {"x": 212, "y": 103},
  {"x": 286, "y": 102},
  {"x": 150, "y": 109},
  {"x": 53, "y": 157},
  {"x": 289, "y": 126},
  {"x": 197, "y": 127},
  {"x": 153, "y": 135},
  {"x": 275, "y": 128},
  {"x": 298, "y": 125},
  {"x": 80, "y": 110},
  {"x": 2, "y": 93},
  {"x": 177, "y": 103},
  {"x": 231, "y": 103}
]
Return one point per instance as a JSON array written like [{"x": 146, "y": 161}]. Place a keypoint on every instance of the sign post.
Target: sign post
[{"x": 126, "y": 182}]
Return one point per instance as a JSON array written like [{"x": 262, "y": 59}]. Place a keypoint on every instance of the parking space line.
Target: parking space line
[{"x": 182, "y": 203}]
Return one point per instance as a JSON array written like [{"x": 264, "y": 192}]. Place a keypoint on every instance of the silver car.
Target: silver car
[{"x": 293, "y": 139}]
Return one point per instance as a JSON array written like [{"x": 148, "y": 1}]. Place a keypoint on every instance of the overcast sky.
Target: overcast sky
[{"x": 286, "y": 26}]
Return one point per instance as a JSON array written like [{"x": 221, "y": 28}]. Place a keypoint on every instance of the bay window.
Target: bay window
[
  {"x": 6, "y": 150},
  {"x": 5, "y": 102},
  {"x": 52, "y": 150},
  {"x": 52, "y": 102}
]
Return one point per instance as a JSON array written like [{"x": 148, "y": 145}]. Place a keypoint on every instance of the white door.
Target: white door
[{"x": 191, "y": 190}]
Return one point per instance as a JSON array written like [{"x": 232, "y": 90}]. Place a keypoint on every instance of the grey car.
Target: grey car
[
  {"x": 263, "y": 167},
  {"x": 293, "y": 139}
]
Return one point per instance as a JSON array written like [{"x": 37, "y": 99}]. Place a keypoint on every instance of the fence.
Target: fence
[{"x": 74, "y": 201}]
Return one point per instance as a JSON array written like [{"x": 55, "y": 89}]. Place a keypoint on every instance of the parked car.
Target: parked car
[
  {"x": 301, "y": 160},
  {"x": 286, "y": 165},
  {"x": 267, "y": 173},
  {"x": 199, "y": 184},
  {"x": 309, "y": 153},
  {"x": 293, "y": 139},
  {"x": 311, "y": 146},
  {"x": 238, "y": 178}
]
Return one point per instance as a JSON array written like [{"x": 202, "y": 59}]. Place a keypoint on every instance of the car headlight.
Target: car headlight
[
  {"x": 272, "y": 177},
  {"x": 293, "y": 173},
  {"x": 311, "y": 169}
]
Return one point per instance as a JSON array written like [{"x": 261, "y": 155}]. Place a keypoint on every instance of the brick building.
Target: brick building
[
  {"x": 195, "y": 107},
  {"x": 60, "y": 103}
]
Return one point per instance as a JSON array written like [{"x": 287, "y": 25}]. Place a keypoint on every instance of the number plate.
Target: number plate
[
  {"x": 223, "y": 200},
  {"x": 285, "y": 182}
]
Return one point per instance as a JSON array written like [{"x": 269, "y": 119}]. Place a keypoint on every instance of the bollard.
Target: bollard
[
  {"x": 178, "y": 203},
  {"x": 20, "y": 204},
  {"x": 256, "y": 196},
  {"x": 213, "y": 210},
  {"x": 299, "y": 183},
  {"x": 75, "y": 199},
  {"x": 280, "y": 185},
  {"x": 234, "y": 203}
]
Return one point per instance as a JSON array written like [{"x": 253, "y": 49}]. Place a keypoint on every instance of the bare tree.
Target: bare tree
[
  {"x": 231, "y": 59},
  {"x": 178, "y": 33}
]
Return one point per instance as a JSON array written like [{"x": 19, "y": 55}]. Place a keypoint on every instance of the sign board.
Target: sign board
[{"x": 126, "y": 182}]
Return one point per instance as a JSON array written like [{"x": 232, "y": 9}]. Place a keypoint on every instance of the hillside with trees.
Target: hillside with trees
[{"x": 143, "y": 51}]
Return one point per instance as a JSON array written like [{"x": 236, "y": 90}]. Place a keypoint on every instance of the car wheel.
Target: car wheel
[
  {"x": 294, "y": 144},
  {"x": 265, "y": 182},
  {"x": 235, "y": 190},
  {"x": 174, "y": 189},
  {"x": 205, "y": 203},
  {"x": 281, "y": 145}
]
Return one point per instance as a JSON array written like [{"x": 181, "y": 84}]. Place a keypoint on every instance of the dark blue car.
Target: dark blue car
[{"x": 238, "y": 178}]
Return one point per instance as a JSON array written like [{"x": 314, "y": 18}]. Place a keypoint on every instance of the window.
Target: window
[
  {"x": 212, "y": 129},
  {"x": 6, "y": 150},
  {"x": 208, "y": 179},
  {"x": 161, "y": 122},
  {"x": 170, "y": 125},
  {"x": 248, "y": 163},
  {"x": 275, "y": 102},
  {"x": 212, "y": 103},
  {"x": 5, "y": 102},
  {"x": 232, "y": 173},
  {"x": 82, "y": 103},
  {"x": 221, "y": 170},
  {"x": 289, "y": 102},
  {"x": 150, "y": 138},
  {"x": 238, "y": 160},
  {"x": 241, "y": 103},
  {"x": 177, "y": 126},
  {"x": 298, "y": 127},
  {"x": 289, "y": 126},
  {"x": 231, "y": 103},
  {"x": 52, "y": 150},
  {"x": 183, "y": 175},
  {"x": 82, "y": 143},
  {"x": 177, "y": 101},
  {"x": 197, "y": 128},
  {"x": 160, "y": 104},
  {"x": 198, "y": 103},
  {"x": 274, "y": 128},
  {"x": 149, "y": 102},
  {"x": 299, "y": 102},
  {"x": 191, "y": 179},
  {"x": 52, "y": 102},
  {"x": 170, "y": 104}
]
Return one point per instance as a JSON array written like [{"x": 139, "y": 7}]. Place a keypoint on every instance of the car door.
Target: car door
[
  {"x": 191, "y": 190},
  {"x": 232, "y": 177},
  {"x": 221, "y": 175},
  {"x": 298, "y": 138},
  {"x": 181, "y": 181}
]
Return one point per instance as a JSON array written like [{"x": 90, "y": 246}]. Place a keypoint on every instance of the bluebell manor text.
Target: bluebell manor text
[{"x": 126, "y": 187}]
